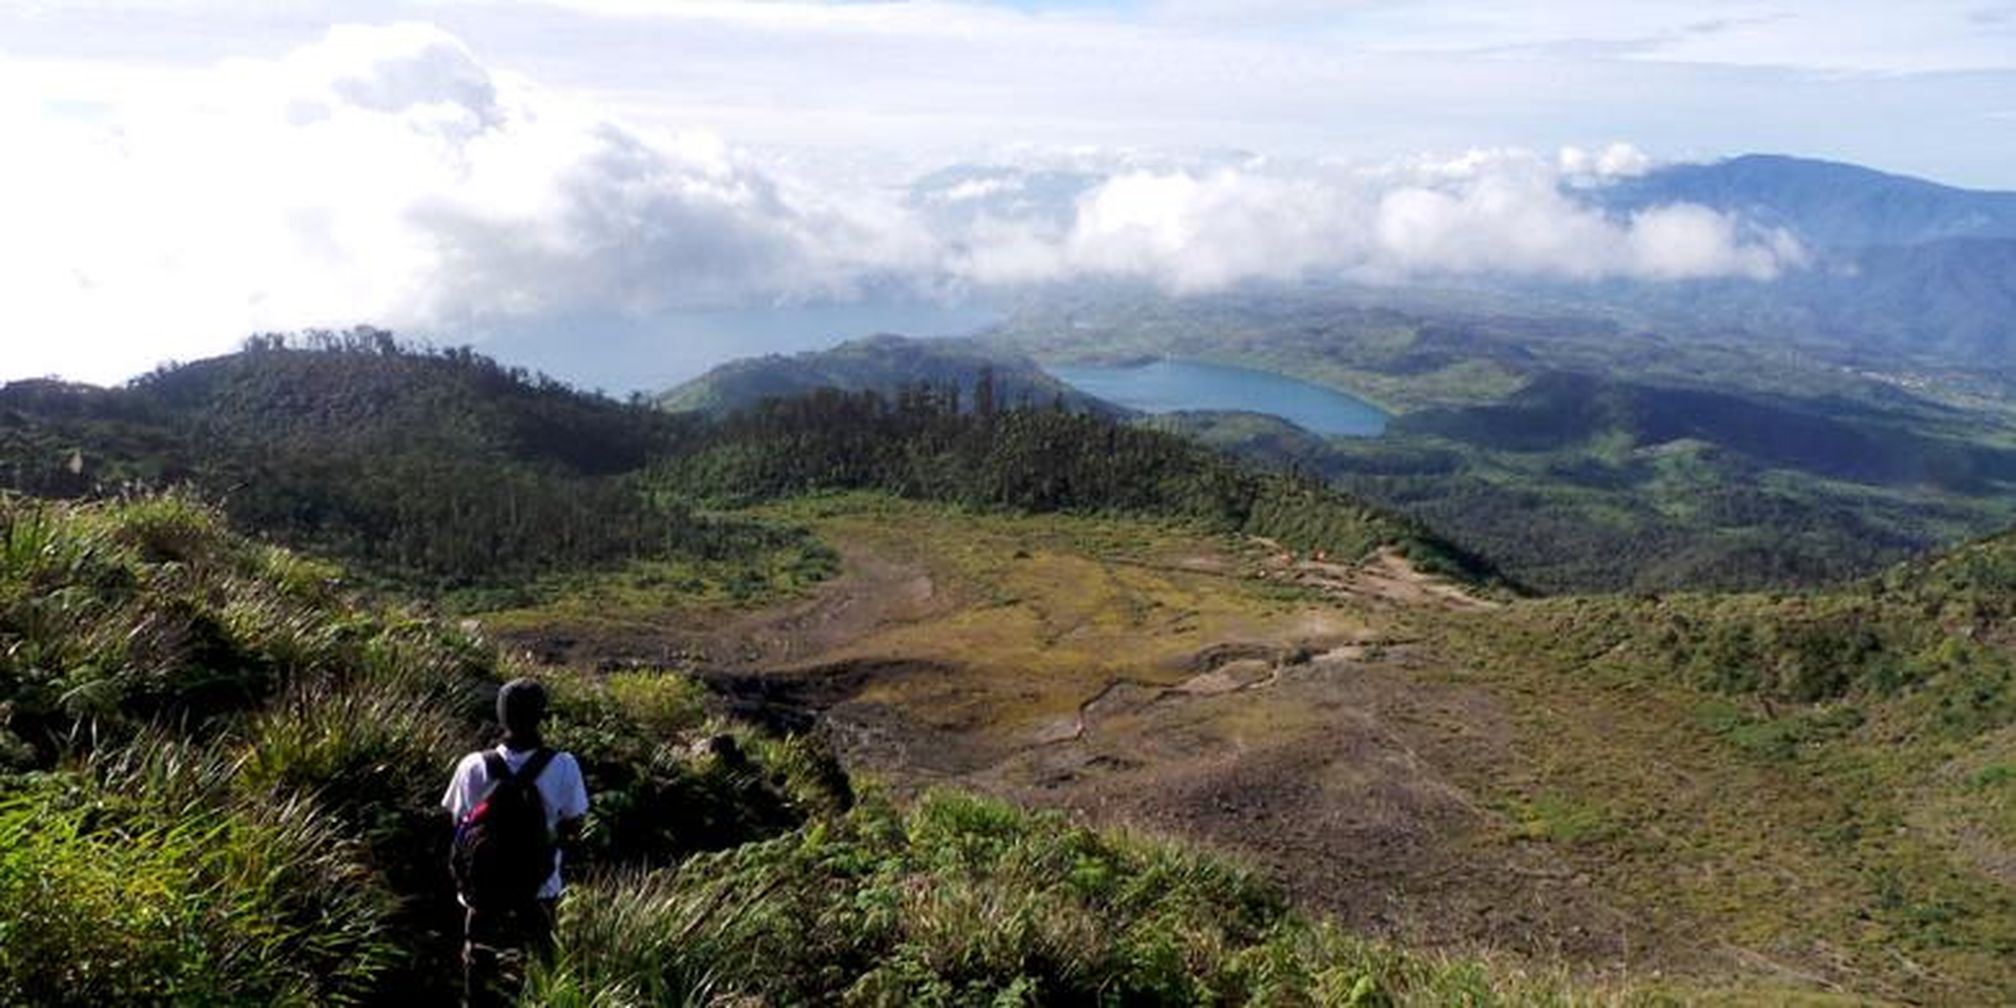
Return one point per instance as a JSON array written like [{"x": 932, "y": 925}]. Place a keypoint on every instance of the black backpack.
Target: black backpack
[{"x": 503, "y": 851}]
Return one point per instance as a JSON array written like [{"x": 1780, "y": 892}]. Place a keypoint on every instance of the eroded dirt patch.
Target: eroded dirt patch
[{"x": 1328, "y": 775}]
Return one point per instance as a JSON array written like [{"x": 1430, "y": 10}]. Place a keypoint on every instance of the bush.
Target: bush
[{"x": 663, "y": 704}]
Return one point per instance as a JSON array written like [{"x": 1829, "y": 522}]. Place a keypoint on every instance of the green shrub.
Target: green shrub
[
  {"x": 666, "y": 705},
  {"x": 120, "y": 614},
  {"x": 108, "y": 899},
  {"x": 656, "y": 791}
]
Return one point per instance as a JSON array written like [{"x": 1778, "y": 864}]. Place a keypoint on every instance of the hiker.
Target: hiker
[{"x": 513, "y": 807}]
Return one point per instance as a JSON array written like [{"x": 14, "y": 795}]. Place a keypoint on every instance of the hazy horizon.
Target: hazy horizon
[{"x": 469, "y": 172}]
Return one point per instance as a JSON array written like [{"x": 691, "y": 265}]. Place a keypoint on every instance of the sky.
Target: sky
[{"x": 180, "y": 175}]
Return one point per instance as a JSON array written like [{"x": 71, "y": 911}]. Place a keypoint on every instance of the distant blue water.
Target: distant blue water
[
  {"x": 1165, "y": 386},
  {"x": 621, "y": 353}
]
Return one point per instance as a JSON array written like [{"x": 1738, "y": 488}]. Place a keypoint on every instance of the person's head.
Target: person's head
[{"x": 521, "y": 706}]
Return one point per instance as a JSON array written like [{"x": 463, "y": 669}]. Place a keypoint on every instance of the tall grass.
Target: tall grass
[
  {"x": 118, "y": 897},
  {"x": 221, "y": 775},
  {"x": 965, "y": 901},
  {"x": 119, "y": 615}
]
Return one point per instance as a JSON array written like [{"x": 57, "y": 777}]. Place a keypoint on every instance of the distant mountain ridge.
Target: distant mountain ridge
[
  {"x": 1896, "y": 268},
  {"x": 1892, "y": 266},
  {"x": 1560, "y": 409},
  {"x": 1827, "y": 204},
  {"x": 885, "y": 364},
  {"x": 1951, "y": 300}
]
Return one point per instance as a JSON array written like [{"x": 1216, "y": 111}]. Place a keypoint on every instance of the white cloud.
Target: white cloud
[
  {"x": 1861, "y": 36},
  {"x": 1615, "y": 161},
  {"x": 381, "y": 174},
  {"x": 389, "y": 174},
  {"x": 1687, "y": 242},
  {"x": 866, "y": 84},
  {"x": 1486, "y": 211},
  {"x": 1878, "y": 36}
]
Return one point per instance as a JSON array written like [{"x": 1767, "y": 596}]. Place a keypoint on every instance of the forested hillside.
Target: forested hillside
[
  {"x": 1582, "y": 483},
  {"x": 428, "y": 466},
  {"x": 1580, "y": 452},
  {"x": 1036, "y": 460},
  {"x": 445, "y": 469},
  {"x": 886, "y": 365}
]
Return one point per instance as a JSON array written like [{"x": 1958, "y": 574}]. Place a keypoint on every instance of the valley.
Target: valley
[
  {"x": 914, "y": 631},
  {"x": 1398, "y": 754},
  {"x": 1583, "y": 454}
]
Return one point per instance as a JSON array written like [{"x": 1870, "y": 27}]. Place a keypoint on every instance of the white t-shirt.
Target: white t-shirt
[{"x": 560, "y": 790}]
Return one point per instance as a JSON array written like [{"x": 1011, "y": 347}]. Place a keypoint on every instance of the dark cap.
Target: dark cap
[{"x": 521, "y": 705}]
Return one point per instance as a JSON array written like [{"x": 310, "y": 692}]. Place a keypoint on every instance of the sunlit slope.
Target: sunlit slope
[
  {"x": 1827, "y": 774},
  {"x": 1713, "y": 787},
  {"x": 1036, "y": 460}
]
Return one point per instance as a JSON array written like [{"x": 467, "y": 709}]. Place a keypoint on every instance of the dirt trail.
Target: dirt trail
[
  {"x": 873, "y": 591},
  {"x": 1385, "y": 575}
]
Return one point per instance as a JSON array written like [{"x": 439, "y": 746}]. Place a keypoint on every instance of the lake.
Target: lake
[{"x": 1165, "y": 386}]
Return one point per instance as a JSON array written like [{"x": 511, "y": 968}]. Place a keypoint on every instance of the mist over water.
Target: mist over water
[
  {"x": 621, "y": 355},
  {"x": 1166, "y": 386}
]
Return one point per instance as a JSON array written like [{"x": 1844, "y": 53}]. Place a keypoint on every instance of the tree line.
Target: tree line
[
  {"x": 445, "y": 468},
  {"x": 919, "y": 443}
]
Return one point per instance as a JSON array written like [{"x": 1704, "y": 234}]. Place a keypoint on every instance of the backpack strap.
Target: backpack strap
[
  {"x": 495, "y": 773},
  {"x": 499, "y": 771},
  {"x": 536, "y": 765}
]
